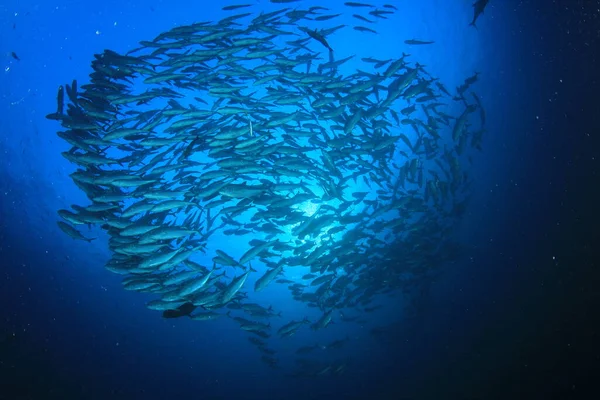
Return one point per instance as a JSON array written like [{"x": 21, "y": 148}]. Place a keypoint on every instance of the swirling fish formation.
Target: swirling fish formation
[{"x": 342, "y": 188}]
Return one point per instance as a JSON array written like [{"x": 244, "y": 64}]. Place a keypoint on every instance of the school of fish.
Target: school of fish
[{"x": 232, "y": 157}]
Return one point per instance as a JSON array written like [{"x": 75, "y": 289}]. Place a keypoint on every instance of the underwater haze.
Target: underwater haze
[{"x": 270, "y": 199}]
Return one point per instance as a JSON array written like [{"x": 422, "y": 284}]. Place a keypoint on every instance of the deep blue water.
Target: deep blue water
[{"x": 508, "y": 319}]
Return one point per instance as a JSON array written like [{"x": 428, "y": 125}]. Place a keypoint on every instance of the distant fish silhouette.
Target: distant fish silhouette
[
  {"x": 418, "y": 42},
  {"x": 478, "y": 8},
  {"x": 15, "y": 56}
]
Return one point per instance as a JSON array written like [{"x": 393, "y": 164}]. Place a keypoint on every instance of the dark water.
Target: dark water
[{"x": 514, "y": 318}]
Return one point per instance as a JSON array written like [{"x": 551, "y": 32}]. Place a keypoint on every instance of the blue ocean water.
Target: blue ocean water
[{"x": 70, "y": 330}]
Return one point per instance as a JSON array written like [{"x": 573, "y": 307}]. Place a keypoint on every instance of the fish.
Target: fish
[
  {"x": 291, "y": 327},
  {"x": 336, "y": 344},
  {"x": 323, "y": 322},
  {"x": 234, "y": 287},
  {"x": 267, "y": 278},
  {"x": 60, "y": 101},
  {"x": 205, "y": 316},
  {"x": 184, "y": 310},
  {"x": 360, "y": 5},
  {"x": 72, "y": 232},
  {"x": 326, "y": 17},
  {"x": 478, "y": 9},
  {"x": 319, "y": 37},
  {"x": 417, "y": 42},
  {"x": 235, "y": 7},
  {"x": 364, "y": 29},
  {"x": 360, "y": 17}
]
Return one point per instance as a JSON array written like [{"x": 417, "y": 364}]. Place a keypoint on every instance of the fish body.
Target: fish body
[
  {"x": 478, "y": 9},
  {"x": 72, "y": 232},
  {"x": 317, "y": 36},
  {"x": 267, "y": 278},
  {"x": 182, "y": 311},
  {"x": 418, "y": 42}
]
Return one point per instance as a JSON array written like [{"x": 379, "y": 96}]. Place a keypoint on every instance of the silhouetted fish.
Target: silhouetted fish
[
  {"x": 478, "y": 8},
  {"x": 183, "y": 310}
]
